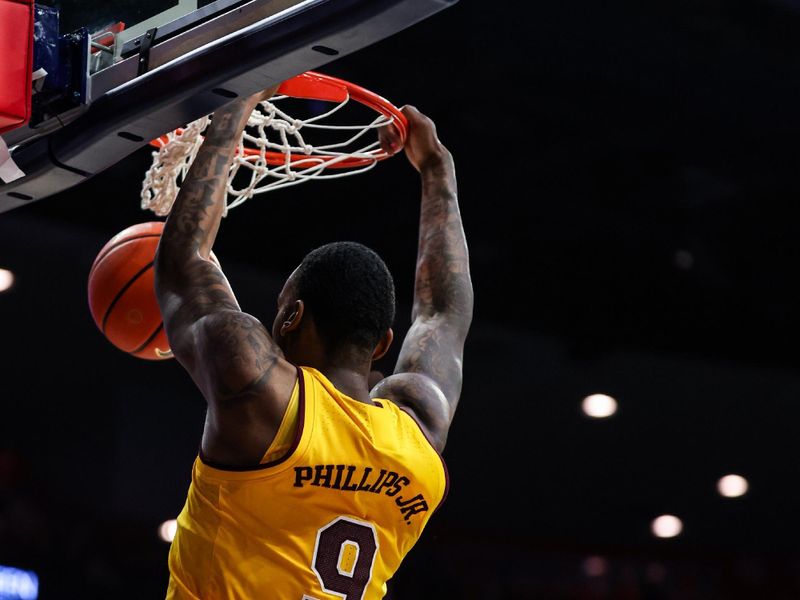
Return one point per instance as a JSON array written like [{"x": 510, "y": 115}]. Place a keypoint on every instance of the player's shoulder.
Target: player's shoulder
[
  {"x": 236, "y": 364},
  {"x": 423, "y": 399}
]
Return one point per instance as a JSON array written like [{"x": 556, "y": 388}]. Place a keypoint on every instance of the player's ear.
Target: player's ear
[
  {"x": 383, "y": 346},
  {"x": 292, "y": 322}
]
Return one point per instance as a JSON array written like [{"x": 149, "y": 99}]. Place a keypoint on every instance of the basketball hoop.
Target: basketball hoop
[{"x": 275, "y": 150}]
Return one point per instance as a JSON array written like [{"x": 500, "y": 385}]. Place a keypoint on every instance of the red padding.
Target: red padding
[{"x": 16, "y": 62}]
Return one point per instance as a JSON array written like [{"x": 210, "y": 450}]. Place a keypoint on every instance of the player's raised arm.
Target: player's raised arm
[
  {"x": 428, "y": 374},
  {"x": 229, "y": 354}
]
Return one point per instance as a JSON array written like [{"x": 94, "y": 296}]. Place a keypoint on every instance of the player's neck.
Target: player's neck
[
  {"x": 348, "y": 370},
  {"x": 350, "y": 380}
]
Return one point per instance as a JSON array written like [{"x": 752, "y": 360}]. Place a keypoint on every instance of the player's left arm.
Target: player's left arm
[{"x": 428, "y": 376}]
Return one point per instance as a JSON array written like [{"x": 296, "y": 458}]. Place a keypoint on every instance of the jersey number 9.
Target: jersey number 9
[{"x": 343, "y": 557}]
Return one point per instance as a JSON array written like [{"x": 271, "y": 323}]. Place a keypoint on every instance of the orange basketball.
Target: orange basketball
[{"x": 121, "y": 294}]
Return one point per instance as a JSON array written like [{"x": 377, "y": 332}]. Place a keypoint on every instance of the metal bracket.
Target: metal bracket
[{"x": 144, "y": 50}]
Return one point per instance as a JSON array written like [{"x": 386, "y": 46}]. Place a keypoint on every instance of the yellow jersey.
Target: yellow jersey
[{"x": 331, "y": 518}]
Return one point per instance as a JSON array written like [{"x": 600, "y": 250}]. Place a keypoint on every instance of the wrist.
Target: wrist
[
  {"x": 437, "y": 165},
  {"x": 438, "y": 182},
  {"x": 230, "y": 119}
]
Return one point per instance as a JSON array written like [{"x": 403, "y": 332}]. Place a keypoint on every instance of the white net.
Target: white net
[{"x": 276, "y": 150}]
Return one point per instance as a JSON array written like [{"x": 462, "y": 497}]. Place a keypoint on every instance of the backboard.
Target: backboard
[{"x": 123, "y": 72}]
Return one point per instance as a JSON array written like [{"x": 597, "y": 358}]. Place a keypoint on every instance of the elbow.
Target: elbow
[
  {"x": 165, "y": 272},
  {"x": 467, "y": 303},
  {"x": 163, "y": 261},
  {"x": 171, "y": 266},
  {"x": 444, "y": 289},
  {"x": 455, "y": 304},
  {"x": 455, "y": 316},
  {"x": 171, "y": 280},
  {"x": 460, "y": 310}
]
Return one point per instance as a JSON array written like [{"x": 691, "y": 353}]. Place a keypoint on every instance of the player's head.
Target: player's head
[{"x": 341, "y": 298}]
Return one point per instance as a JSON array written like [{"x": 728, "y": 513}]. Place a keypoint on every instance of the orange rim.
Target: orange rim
[{"x": 317, "y": 86}]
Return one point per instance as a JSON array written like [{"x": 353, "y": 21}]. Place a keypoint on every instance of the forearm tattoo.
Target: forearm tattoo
[
  {"x": 443, "y": 282},
  {"x": 195, "y": 216}
]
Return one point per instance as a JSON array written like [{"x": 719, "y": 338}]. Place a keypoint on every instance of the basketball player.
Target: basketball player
[{"x": 309, "y": 484}]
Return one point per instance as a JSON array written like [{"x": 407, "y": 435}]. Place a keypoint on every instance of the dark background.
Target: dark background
[{"x": 629, "y": 187}]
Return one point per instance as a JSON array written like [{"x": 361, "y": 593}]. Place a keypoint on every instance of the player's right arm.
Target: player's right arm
[
  {"x": 229, "y": 354},
  {"x": 428, "y": 375}
]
